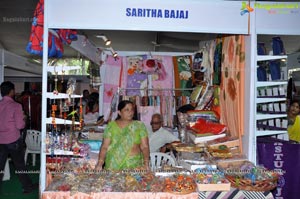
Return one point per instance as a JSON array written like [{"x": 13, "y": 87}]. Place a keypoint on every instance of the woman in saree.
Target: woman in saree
[
  {"x": 294, "y": 121},
  {"x": 125, "y": 142}
]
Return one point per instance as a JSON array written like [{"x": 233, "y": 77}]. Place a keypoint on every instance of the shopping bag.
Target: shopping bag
[
  {"x": 261, "y": 49},
  {"x": 277, "y": 46},
  {"x": 261, "y": 73},
  {"x": 275, "y": 70}
]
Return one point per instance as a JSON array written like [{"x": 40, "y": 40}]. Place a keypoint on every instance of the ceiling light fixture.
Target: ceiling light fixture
[
  {"x": 113, "y": 52},
  {"x": 107, "y": 42},
  {"x": 283, "y": 60}
]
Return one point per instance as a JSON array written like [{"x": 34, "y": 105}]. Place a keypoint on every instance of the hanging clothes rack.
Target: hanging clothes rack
[
  {"x": 158, "y": 89},
  {"x": 120, "y": 90},
  {"x": 164, "y": 98}
]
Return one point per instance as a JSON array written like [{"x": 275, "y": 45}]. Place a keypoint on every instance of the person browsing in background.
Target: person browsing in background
[
  {"x": 91, "y": 111},
  {"x": 125, "y": 142},
  {"x": 92, "y": 105},
  {"x": 159, "y": 138},
  {"x": 294, "y": 121},
  {"x": 11, "y": 143},
  {"x": 85, "y": 97}
]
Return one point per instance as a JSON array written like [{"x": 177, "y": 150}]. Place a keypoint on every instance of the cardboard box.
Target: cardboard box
[
  {"x": 262, "y": 92},
  {"x": 275, "y": 91},
  {"x": 276, "y": 107},
  {"x": 269, "y": 92},
  {"x": 283, "y": 107}
]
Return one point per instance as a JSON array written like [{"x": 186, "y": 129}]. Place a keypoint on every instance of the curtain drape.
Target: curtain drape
[{"x": 232, "y": 84}]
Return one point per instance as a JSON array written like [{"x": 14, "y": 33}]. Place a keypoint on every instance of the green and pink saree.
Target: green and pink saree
[{"x": 122, "y": 140}]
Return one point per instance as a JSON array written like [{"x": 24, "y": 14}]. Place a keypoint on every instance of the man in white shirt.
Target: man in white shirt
[{"x": 159, "y": 138}]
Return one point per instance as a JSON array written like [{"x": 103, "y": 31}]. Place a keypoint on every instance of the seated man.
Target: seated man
[{"x": 159, "y": 138}]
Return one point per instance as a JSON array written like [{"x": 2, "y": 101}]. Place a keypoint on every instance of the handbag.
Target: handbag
[
  {"x": 275, "y": 70},
  {"x": 261, "y": 49},
  {"x": 261, "y": 73},
  {"x": 277, "y": 46}
]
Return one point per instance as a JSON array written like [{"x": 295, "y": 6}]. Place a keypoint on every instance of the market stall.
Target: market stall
[
  {"x": 16, "y": 66},
  {"x": 175, "y": 16}
]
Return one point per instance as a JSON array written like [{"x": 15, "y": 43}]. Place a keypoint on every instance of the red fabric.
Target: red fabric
[
  {"x": 203, "y": 127},
  {"x": 67, "y": 35},
  {"x": 87, "y": 110},
  {"x": 35, "y": 105},
  {"x": 55, "y": 42},
  {"x": 37, "y": 29}
]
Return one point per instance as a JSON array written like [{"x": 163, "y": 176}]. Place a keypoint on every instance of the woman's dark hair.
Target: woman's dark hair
[
  {"x": 85, "y": 91},
  {"x": 93, "y": 99},
  {"x": 94, "y": 96},
  {"x": 121, "y": 105},
  {"x": 91, "y": 104},
  {"x": 6, "y": 87},
  {"x": 294, "y": 101}
]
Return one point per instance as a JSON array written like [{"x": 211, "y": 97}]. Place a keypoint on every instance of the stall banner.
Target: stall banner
[{"x": 284, "y": 158}]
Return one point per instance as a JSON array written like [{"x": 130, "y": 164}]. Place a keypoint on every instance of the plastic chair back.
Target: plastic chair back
[
  {"x": 33, "y": 140},
  {"x": 158, "y": 160}
]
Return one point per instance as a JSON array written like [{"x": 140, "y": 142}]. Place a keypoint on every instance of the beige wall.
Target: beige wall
[{"x": 19, "y": 87}]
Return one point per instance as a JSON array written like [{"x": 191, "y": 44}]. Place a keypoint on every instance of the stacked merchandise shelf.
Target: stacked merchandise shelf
[
  {"x": 270, "y": 102},
  {"x": 60, "y": 121}
]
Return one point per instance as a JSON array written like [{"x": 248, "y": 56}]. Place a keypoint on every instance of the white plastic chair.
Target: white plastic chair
[
  {"x": 33, "y": 144},
  {"x": 6, "y": 175},
  {"x": 158, "y": 159}
]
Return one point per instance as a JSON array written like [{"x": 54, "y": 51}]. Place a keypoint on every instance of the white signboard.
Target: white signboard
[
  {"x": 154, "y": 15},
  {"x": 280, "y": 18}
]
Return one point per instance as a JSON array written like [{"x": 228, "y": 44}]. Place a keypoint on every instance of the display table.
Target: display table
[
  {"x": 117, "y": 195},
  {"x": 233, "y": 193}
]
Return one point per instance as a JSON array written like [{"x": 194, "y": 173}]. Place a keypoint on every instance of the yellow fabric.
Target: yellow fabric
[{"x": 294, "y": 130}]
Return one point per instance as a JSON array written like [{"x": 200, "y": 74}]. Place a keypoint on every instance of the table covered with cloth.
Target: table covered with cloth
[
  {"x": 118, "y": 195},
  {"x": 232, "y": 194}
]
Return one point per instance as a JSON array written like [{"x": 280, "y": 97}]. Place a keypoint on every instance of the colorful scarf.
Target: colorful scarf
[{"x": 182, "y": 74}]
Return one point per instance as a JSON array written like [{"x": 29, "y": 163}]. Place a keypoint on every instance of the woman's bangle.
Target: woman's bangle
[
  {"x": 146, "y": 162},
  {"x": 100, "y": 162}
]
